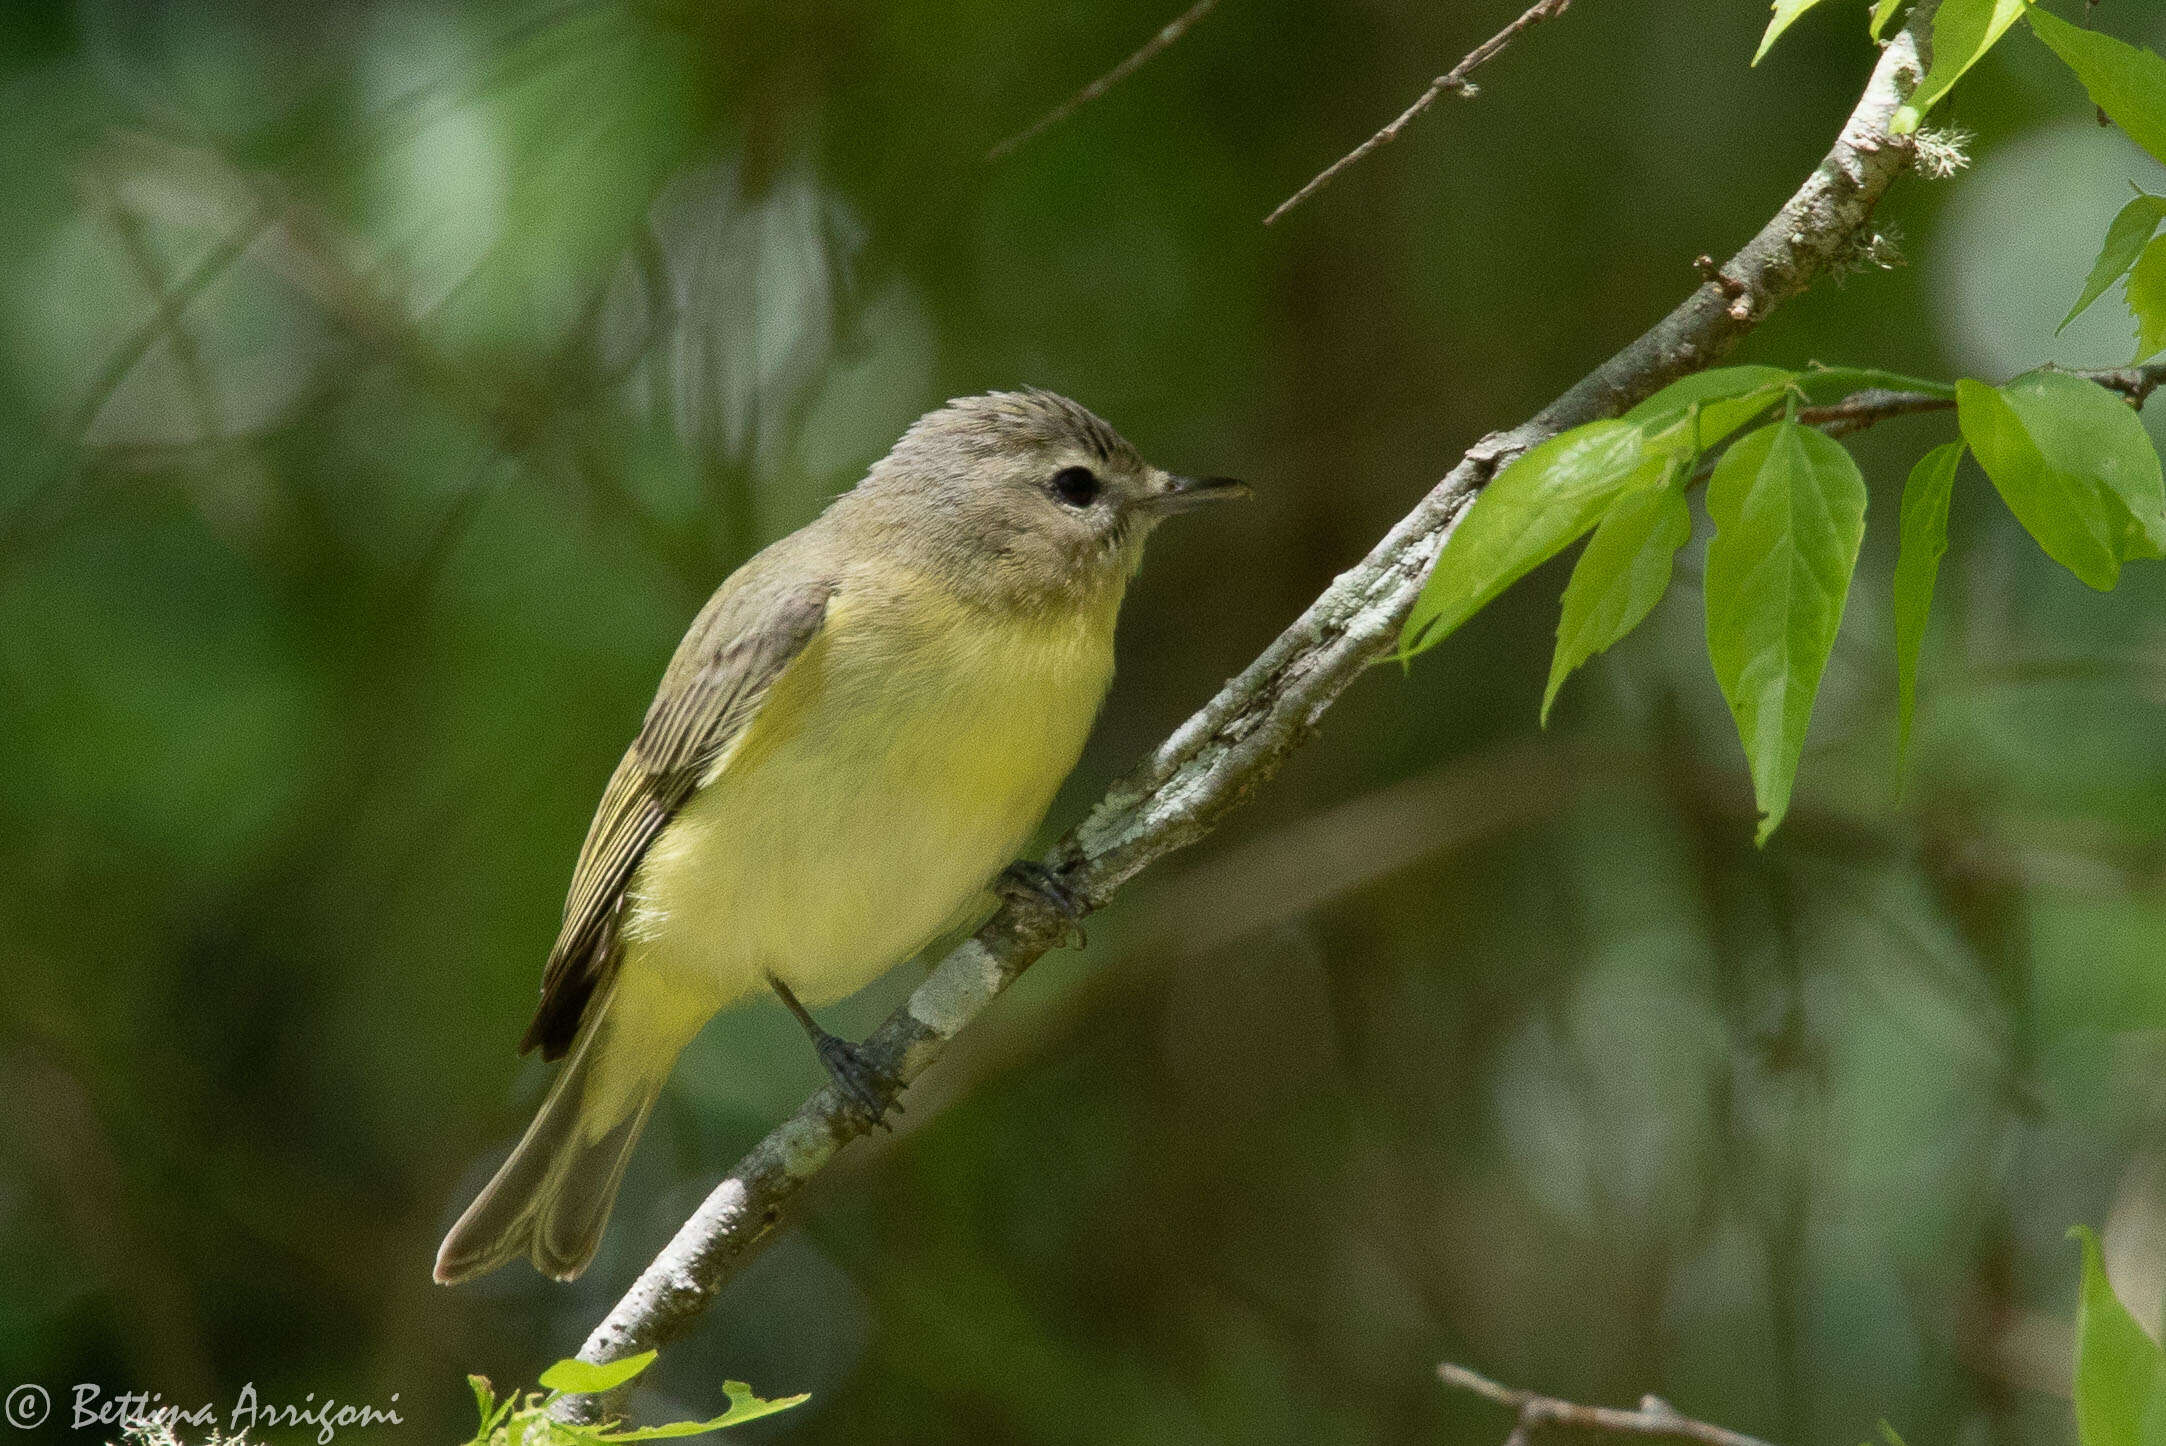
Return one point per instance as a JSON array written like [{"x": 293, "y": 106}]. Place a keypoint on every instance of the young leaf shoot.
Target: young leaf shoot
[
  {"x": 2147, "y": 299},
  {"x": 1786, "y": 14},
  {"x": 2125, "y": 240}
]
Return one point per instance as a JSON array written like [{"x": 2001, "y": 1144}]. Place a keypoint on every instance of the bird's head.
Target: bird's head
[{"x": 1024, "y": 500}]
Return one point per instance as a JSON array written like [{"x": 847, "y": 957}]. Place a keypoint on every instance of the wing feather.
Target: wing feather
[{"x": 731, "y": 657}]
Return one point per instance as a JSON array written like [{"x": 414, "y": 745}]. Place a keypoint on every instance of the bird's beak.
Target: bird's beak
[{"x": 1179, "y": 494}]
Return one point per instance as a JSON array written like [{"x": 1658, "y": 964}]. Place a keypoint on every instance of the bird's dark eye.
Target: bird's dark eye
[{"x": 1076, "y": 486}]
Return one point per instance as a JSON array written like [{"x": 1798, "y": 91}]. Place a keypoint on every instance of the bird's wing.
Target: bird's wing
[{"x": 731, "y": 657}]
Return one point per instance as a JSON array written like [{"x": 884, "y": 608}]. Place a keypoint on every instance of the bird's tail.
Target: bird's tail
[{"x": 552, "y": 1198}]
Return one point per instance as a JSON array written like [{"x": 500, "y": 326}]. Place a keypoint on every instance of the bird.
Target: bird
[{"x": 856, "y": 736}]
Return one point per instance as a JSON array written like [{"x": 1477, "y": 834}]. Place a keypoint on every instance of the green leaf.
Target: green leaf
[
  {"x": 1924, "y": 539},
  {"x": 2120, "y": 1373},
  {"x": 584, "y": 1378},
  {"x": 1889, "y": 1436},
  {"x": 494, "y": 1413},
  {"x": 1882, "y": 14},
  {"x": 2125, "y": 240},
  {"x": 2074, "y": 464},
  {"x": 1963, "y": 31},
  {"x": 2147, "y": 299},
  {"x": 1539, "y": 504},
  {"x": 1824, "y": 386},
  {"x": 744, "y": 1406},
  {"x": 2127, "y": 83},
  {"x": 1789, "y": 512},
  {"x": 1786, "y": 14},
  {"x": 1621, "y": 576},
  {"x": 484, "y": 1398},
  {"x": 1726, "y": 397}
]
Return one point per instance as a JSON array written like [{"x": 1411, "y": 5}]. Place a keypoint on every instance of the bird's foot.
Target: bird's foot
[
  {"x": 1027, "y": 878},
  {"x": 862, "y": 1084}
]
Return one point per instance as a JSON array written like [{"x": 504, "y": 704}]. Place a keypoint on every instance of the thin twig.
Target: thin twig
[
  {"x": 1173, "y": 30},
  {"x": 1222, "y": 754},
  {"x": 520, "y": 417},
  {"x": 1655, "y": 1416},
  {"x": 1860, "y": 410},
  {"x": 72, "y": 438},
  {"x": 167, "y": 311},
  {"x": 2135, "y": 383},
  {"x": 1453, "y": 80}
]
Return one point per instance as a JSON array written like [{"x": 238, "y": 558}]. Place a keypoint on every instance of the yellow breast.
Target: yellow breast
[{"x": 897, "y": 765}]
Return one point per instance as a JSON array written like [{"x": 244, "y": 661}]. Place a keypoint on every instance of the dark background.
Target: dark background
[{"x": 383, "y": 385}]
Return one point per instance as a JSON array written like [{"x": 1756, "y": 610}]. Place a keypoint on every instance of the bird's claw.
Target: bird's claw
[
  {"x": 1029, "y": 878},
  {"x": 861, "y": 1083}
]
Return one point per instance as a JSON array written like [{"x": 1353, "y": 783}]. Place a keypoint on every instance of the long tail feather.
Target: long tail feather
[{"x": 551, "y": 1200}]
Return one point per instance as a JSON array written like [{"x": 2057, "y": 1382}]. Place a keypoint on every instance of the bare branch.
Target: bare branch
[
  {"x": 1453, "y": 80},
  {"x": 1239, "y": 738},
  {"x": 1173, "y": 30},
  {"x": 2135, "y": 383},
  {"x": 1860, "y": 410},
  {"x": 526, "y": 417},
  {"x": 1655, "y": 1416}
]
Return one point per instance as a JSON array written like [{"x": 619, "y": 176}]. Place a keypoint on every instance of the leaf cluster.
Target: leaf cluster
[
  {"x": 2071, "y": 460},
  {"x": 1787, "y": 503},
  {"x": 523, "y": 1418},
  {"x": 2126, "y": 82}
]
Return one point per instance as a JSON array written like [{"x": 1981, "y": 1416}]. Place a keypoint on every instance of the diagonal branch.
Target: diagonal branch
[
  {"x": 1454, "y": 80},
  {"x": 1655, "y": 1416},
  {"x": 1171, "y": 31},
  {"x": 1239, "y": 738}
]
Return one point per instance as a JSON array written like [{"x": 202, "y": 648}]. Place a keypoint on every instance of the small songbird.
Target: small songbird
[{"x": 861, "y": 729}]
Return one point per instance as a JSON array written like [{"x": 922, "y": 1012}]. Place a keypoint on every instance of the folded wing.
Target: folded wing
[{"x": 739, "y": 645}]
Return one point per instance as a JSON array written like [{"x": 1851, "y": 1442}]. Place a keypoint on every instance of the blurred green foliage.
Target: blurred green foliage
[{"x": 382, "y": 386}]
